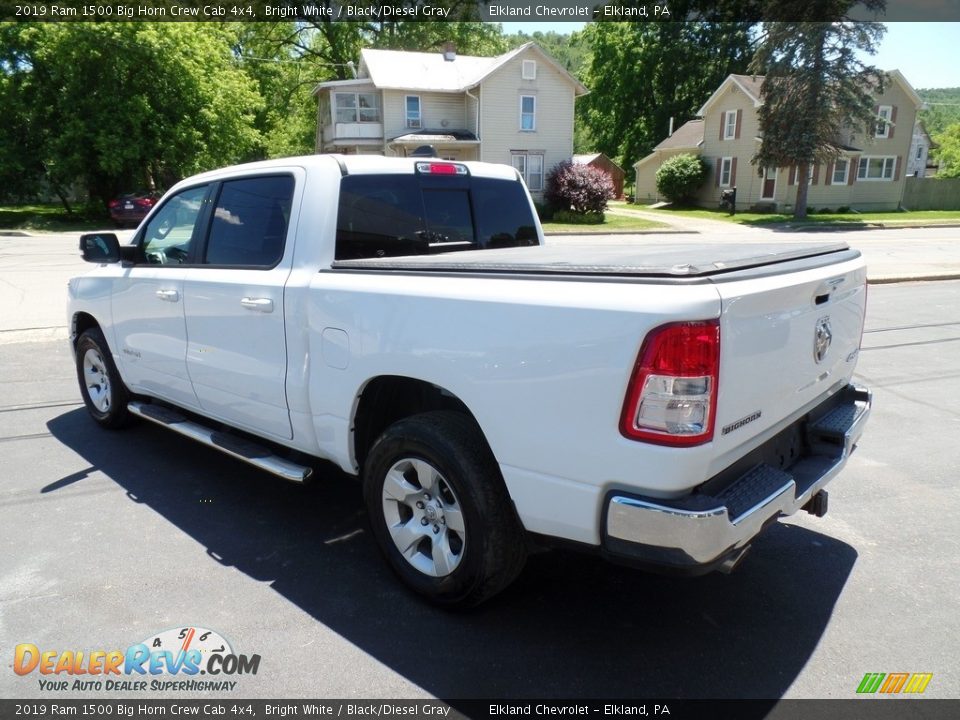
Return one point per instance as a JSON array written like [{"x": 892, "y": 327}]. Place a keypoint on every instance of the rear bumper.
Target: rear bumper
[{"x": 714, "y": 524}]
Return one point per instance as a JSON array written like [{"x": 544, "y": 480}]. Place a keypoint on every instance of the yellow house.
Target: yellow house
[{"x": 868, "y": 175}]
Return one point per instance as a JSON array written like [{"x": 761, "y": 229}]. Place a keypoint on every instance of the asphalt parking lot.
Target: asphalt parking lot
[{"x": 107, "y": 539}]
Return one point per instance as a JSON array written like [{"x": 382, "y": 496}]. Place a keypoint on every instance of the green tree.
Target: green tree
[
  {"x": 642, "y": 74},
  {"x": 817, "y": 95},
  {"x": 941, "y": 108},
  {"x": 287, "y": 119},
  {"x": 119, "y": 105},
  {"x": 681, "y": 176},
  {"x": 336, "y": 46},
  {"x": 948, "y": 154}
]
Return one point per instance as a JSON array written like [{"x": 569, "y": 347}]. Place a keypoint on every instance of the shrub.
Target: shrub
[
  {"x": 580, "y": 188},
  {"x": 544, "y": 211},
  {"x": 843, "y": 210},
  {"x": 575, "y": 218},
  {"x": 679, "y": 178}
]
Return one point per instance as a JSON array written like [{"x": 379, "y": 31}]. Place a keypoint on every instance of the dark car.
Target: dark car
[{"x": 131, "y": 208}]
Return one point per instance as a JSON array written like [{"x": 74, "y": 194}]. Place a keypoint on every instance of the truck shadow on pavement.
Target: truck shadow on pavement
[{"x": 571, "y": 626}]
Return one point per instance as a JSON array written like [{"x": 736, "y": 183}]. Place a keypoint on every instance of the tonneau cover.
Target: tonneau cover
[{"x": 667, "y": 259}]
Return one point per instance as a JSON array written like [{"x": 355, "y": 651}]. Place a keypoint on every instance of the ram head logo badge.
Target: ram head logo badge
[{"x": 822, "y": 338}]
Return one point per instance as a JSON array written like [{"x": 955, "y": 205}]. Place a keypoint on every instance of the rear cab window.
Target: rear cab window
[{"x": 392, "y": 215}]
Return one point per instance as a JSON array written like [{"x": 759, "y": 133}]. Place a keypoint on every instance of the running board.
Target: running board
[{"x": 240, "y": 448}]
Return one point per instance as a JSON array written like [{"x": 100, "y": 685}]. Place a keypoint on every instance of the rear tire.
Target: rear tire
[
  {"x": 103, "y": 391},
  {"x": 440, "y": 511}
]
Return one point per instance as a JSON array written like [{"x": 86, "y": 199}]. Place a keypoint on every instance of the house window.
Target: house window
[
  {"x": 876, "y": 168},
  {"x": 840, "y": 169},
  {"x": 919, "y": 151},
  {"x": 528, "y": 70},
  {"x": 726, "y": 168},
  {"x": 884, "y": 113},
  {"x": 530, "y": 167},
  {"x": 730, "y": 125},
  {"x": 357, "y": 107},
  {"x": 412, "y": 106},
  {"x": 528, "y": 112}
]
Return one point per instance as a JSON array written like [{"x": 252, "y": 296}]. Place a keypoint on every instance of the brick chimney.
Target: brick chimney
[{"x": 449, "y": 52}]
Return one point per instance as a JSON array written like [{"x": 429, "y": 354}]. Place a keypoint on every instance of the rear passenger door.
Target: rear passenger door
[{"x": 233, "y": 303}]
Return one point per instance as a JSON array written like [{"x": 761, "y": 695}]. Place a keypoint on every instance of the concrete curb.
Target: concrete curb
[
  {"x": 892, "y": 279},
  {"x": 14, "y": 233}
]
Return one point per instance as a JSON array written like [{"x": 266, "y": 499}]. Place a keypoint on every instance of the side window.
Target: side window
[
  {"x": 249, "y": 224},
  {"x": 167, "y": 238}
]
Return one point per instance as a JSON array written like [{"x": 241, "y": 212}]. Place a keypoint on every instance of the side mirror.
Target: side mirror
[{"x": 100, "y": 247}]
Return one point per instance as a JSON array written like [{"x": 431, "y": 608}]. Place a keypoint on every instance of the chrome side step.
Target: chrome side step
[{"x": 240, "y": 448}]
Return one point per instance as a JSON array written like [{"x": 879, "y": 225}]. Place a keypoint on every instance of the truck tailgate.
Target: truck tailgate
[{"x": 786, "y": 340}]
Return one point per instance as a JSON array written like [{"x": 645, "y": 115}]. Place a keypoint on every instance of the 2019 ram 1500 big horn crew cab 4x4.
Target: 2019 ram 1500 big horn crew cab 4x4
[{"x": 404, "y": 319}]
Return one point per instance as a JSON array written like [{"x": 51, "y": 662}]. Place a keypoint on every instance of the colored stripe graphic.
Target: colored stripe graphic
[
  {"x": 894, "y": 682},
  {"x": 870, "y": 682},
  {"x": 918, "y": 682}
]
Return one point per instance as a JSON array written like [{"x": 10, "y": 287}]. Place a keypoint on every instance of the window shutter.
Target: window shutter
[
  {"x": 828, "y": 177},
  {"x": 723, "y": 124},
  {"x": 733, "y": 170},
  {"x": 853, "y": 170},
  {"x": 792, "y": 180},
  {"x": 896, "y": 169},
  {"x": 893, "y": 119},
  {"x": 816, "y": 172},
  {"x": 716, "y": 179},
  {"x": 736, "y": 133}
]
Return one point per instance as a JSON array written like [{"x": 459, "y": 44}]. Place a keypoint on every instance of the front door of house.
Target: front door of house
[{"x": 769, "y": 183}]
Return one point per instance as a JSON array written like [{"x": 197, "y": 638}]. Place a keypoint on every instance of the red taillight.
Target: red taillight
[
  {"x": 672, "y": 396},
  {"x": 113, "y": 203},
  {"x": 144, "y": 202}
]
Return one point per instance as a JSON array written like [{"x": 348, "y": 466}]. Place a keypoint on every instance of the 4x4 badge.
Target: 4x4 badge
[{"x": 822, "y": 338}]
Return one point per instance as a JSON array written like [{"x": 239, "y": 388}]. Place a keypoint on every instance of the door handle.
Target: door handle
[
  {"x": 259, "y": 304},
  {"x": 168, "y": 295}
]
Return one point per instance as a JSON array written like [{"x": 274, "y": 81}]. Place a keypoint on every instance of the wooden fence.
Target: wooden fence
[{"x": 931, "y": 194}]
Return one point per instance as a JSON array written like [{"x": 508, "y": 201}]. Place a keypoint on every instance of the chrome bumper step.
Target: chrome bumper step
[{"x": 233, "y": 445}]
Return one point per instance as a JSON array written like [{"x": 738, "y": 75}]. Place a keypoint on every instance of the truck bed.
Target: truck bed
[{"x": 663, "y": 260}]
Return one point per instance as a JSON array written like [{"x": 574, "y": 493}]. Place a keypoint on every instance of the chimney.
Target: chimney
[
  {"x": 449, "y": 52},
  {"x": 670, "y": 131}
]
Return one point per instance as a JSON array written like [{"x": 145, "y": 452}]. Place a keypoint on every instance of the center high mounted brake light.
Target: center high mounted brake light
[
  {"x": 672, "y": 396},
  {"x": 437, "y": 168}
]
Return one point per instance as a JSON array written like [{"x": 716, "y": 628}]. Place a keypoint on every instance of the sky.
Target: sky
[{"x": 925, "y": 52}]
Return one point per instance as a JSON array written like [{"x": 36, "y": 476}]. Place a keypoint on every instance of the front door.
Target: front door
[
  {"x": 234, "y": 305},
  {"x": 769, "y": 183},
  {"x": 147, "y": 302}
]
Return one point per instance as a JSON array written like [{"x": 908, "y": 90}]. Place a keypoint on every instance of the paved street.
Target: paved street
[
  {"x": 34, "y": 270},
  {"x": 109, "y": 538}
]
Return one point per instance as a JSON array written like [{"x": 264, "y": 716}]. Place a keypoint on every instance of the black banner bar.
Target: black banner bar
[
  {"x": 872, "y": 708},
  {"x": 454, "y": 10}
]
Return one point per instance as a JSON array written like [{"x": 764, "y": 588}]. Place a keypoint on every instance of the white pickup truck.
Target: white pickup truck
[{"x": 404, "y": 319}]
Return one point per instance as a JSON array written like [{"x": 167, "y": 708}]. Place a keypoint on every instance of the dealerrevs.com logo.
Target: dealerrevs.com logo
[
  {"x": 894, "y": 683},
  {"x": 170, "y": 660}
]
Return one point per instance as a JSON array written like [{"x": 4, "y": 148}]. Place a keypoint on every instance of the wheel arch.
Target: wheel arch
[
  {"x": 80, "y": 323},
  {"x": 385, "y": 399}
]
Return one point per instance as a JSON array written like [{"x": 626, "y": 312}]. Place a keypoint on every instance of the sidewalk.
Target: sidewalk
[{"x": 894, "y": 253}]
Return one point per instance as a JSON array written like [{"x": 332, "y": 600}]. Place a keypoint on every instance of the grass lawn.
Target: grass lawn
[
  {"x": 51, "y": 218},
  {"x": 611, "y": 223},
  {"x": 747, "y": 218}
]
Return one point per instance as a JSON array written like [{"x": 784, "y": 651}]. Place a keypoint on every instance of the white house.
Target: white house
[{"x": 516, "y": 108}]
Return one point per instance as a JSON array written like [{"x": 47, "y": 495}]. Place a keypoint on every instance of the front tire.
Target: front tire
[
  {"x": 440, "y": 511},
  {"x": 104, "y": 393}
]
